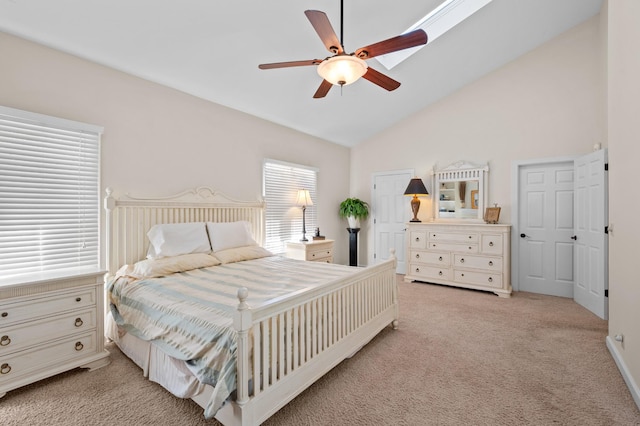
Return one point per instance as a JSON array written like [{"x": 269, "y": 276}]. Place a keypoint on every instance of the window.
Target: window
[
  {"x": 49, "y": 187},
  {"x": 283, "y": 218}
]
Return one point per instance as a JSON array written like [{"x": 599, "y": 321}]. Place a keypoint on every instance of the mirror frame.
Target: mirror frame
[{"x": 456, "y": 172}]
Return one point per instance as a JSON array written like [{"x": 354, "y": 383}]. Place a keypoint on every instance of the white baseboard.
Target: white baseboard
[{"x": 626, "y": 375}]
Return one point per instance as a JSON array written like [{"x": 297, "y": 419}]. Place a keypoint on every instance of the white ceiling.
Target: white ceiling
[{"x": 211, "y": 49}]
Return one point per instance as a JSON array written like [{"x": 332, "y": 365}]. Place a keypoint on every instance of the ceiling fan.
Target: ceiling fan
[{"x": 343, "y": 68}]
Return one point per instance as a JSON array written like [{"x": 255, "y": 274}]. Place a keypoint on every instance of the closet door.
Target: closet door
[{"x": 591, "y": 241}]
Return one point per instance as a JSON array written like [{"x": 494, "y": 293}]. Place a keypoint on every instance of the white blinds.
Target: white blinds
[
  {"x": 49, "y": 195},
  {"x": 283, "y": 218}
]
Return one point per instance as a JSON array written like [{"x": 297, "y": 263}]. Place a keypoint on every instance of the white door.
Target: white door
[
  {"x": 591, "y": 242},
  {"x": 391, "y": 210},
  {"x": 545, "y": 227}
]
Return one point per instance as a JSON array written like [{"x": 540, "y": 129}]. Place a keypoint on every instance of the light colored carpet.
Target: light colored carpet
[{"x": 460, "y": 357}]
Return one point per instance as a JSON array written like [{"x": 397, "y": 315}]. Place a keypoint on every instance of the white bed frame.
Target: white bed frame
[{"x": 294, "y": 341}]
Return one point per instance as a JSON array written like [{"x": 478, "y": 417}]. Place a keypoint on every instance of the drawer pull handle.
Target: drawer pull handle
[
  {"x": 439, "y": 272},
  {"x": 5, "y": 340},
  {"x": 5, "y": 368},
  {"x": 5, "y": 314},
  {"x": 470, "y": 248},
  {"x": 490, "y": 243},
  {"x": 440, "y": 258},
  {"x": 462, "y": 275},
  {"x": 417, "y": 270},
  {"x": 462, "y": 260},
  {"x": 78, "y": 299},
  {"x": 469, "y": 236},
  {"x": 417, "y": 239},
  {"x": 78, "y": 322},
  {"x": 79, "y": 346},
  {"x": 490, "y": 279},
  {"x": 491, "y": 263},
  {"x": 417, "y": 255},
  {"x": 313, "y": 255}
]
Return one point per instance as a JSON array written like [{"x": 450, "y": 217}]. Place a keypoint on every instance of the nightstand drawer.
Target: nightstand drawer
[
  {"x": 24, "y": 363},
  {"x": 34, "y": 332},
  {"x": 11, "y": 313},
  {"x": 314, "y": 251},
  {"x": 320, "y": 253}
]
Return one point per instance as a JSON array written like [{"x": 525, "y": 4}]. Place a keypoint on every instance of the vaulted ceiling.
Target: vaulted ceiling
[{"x": 211, "y": 49}]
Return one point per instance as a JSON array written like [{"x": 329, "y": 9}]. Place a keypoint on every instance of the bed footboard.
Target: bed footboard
[{"x": 296, "y": 341}]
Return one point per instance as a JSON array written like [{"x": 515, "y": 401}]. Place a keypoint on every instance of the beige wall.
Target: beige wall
[
  {"x": 161, "y": 141},
  {"x": 547, "y": 103},
  {"x": 624, "y": 154}
]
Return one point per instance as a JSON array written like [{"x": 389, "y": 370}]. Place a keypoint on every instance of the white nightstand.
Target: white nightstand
[{"x": 312, "y": 250}]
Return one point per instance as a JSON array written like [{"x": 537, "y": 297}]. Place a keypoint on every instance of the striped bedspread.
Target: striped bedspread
[{"x": 189, "y": 314}]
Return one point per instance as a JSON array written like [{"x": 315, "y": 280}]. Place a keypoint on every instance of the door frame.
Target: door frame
[
  {"x": 515, "y": 200},
  {"x": 370, "y": 259}
]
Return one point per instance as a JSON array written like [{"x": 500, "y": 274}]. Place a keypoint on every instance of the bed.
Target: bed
[{"x": 286, "y": 322}]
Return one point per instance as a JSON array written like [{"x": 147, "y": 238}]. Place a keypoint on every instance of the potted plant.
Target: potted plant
[{"x": 354, "y": 209}]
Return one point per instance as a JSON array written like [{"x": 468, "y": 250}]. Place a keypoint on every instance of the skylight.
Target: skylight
[{"x": 440, "y": 20}]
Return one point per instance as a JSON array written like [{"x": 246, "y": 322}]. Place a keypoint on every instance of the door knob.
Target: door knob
[
  {"x": 575, "y": 237},
  {"x": 523, "y": 235}
]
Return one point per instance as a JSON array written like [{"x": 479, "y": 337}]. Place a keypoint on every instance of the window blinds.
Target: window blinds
[
  {"x": 283, "y": 218},
  {"x": 49, "y": 195}
]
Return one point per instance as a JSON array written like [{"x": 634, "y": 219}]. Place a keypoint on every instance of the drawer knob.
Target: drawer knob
[
  {"x": 440, "y": 258},
  {"x": 490, "y": 279},
  {"x": 5, "y": 340},
  {"x": 469, "y": 236},
  {"x": 313, "y": 255},
  {"x": 78, "y": 299},
  {"x": 491, "y": 263},
  {"x": 417, "y": 255},
  {"x": 462, "y": 260},
  {"x": 79, "y": 346},
  {"x": 78, "y": 322},
  {"x": 462, "y": 275},
  {"x": 5, "y": 314},
  {"x": 417, "y": 239},
  {"x": 439, "y": 272},
  {"x": 417, "y": 270},
  {"x": 490, "y": 243},
  {"x": 5, "y": 368}
]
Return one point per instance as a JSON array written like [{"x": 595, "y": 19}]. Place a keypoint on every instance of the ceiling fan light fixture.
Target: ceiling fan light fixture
[{"x": 342, "y": 69}]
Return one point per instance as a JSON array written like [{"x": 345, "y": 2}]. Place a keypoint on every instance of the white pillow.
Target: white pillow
[
  {"x": 226, "y": 235},
  {"x": 174, "y": 239}
]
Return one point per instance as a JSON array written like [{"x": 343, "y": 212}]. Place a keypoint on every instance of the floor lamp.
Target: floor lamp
[{"x": 304, "y": 200}]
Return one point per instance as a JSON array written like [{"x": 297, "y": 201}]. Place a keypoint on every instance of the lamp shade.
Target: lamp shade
[
  {"x": 416, "y": 187},
  {"x": 304, "y": 198},
  {"x": 342, "y": 69}
]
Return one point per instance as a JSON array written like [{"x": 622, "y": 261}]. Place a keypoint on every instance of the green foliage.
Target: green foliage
[{"x": 354, "y": 207}]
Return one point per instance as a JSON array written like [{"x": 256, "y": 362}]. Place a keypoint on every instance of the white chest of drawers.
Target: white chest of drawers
[
  {"x": 50, "y": 326},
  {"x": 315, "y": 250},
  {"x": 475, "y": 256}
]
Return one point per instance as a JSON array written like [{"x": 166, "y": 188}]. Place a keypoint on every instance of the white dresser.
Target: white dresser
[
  {"x": 50, "y": 326},
  {"x": 475, "y": 256},
  {"x": 312, "y": 250}
]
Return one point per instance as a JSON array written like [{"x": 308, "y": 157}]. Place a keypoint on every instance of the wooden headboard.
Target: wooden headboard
[{"x": 129, "y": 219}]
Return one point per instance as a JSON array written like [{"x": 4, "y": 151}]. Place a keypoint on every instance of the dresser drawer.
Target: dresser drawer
[
  {"x": 34, "y": 332},
  {"x": 491, "y": 244},
  {"x": 418, "y": 239},
  {"x": 478, "y": 262},
  {"x": 25, "y": 363},
  {"x": 429, "y": 272},
  {"x": 446, "y": 246},
  {"x": 478, "y": 278},
  {"x": 423, "y": 256},
  {"x": 454, "y": 237},
  {"x": 12, "y": 313}
]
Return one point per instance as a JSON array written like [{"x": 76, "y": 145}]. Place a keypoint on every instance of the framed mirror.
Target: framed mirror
[{"x": 460, "y": 192}]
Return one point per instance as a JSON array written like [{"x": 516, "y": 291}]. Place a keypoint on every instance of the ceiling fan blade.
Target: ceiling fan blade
[
  {"x": 289, "y": 64},
  {"x": 323, "y": 89},
  {"x": 404, "y": 41},
  {"x": 324, "y": 29},
  {"x": 380, "y": 79}
]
